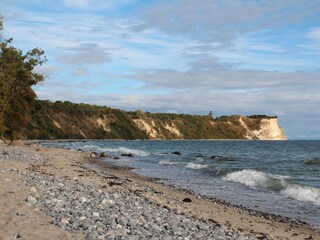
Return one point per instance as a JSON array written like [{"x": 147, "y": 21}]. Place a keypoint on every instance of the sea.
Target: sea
[{"x": 278, "y": 177}]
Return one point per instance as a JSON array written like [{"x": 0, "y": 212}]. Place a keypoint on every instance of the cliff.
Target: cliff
[{"x": 66, "y": 120}]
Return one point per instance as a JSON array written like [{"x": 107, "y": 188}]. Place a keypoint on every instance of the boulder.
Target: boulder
[
  {"x": 105, "y": 155},
  {"x": 222, "y": 159},
  {"x": 127, "y": 155},
  {"x": 219, "y": 158},
  {"x": 34, "y": 147},
  {"x": 89, "y": 154},
  {"x": 187, "y": 200},
  {"x": 116, "y": 158},
  {"x": 16, "y": 143},
  {"x": 176, "y": 153}
]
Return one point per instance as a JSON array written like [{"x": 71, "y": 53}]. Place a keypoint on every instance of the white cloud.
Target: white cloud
[
  {"x": 85, "y": 53},
  {"x": 206, "y": 74},
  {"x": 314, "y": 34},
  {"x": 222, "y": 21}
]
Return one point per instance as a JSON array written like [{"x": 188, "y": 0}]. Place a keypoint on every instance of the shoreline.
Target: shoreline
[
  {"x": 196, "y": 198},
  {"x": 36, "y": 141},
  {"x": 108, "y": 178},
  {"x": 270, "y": 216}
]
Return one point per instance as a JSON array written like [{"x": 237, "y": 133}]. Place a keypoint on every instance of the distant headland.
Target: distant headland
[{"x": 66, "y": 120}]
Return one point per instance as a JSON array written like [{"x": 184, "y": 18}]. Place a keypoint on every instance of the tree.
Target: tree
[{"x": 16, "y": 81}]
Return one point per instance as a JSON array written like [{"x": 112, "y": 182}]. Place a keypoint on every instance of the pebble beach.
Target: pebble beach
[{"x": 50, "y": 193}]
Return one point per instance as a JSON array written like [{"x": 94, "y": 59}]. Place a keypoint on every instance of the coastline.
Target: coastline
[{"x": 109, "y": 179}]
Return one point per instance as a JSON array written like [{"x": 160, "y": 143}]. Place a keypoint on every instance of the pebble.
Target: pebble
[
  {"x": 17, "y": 236},
  {"x": 31, "y": 200},
  {"x": 95, "y": 214},
  {"x": 64, "y": 221},
  {"x": 114, "y": 213}
]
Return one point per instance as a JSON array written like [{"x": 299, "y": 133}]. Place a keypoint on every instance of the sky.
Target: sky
[{"x": 180, "y": 56}]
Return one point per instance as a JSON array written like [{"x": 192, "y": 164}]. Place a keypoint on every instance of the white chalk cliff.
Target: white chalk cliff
[{"x": 268, "y": 130}]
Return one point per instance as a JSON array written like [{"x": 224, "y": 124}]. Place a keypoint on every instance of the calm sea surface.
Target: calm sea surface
[{"x": 281, "y": 177}]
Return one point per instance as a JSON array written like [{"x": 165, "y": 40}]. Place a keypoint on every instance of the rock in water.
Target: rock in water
[
  {"x": 105, "y": 155},
  {"x": 127, "y": 155},
  {"x": 217, "y": 157},
  {"x": 176, "y": 153}
]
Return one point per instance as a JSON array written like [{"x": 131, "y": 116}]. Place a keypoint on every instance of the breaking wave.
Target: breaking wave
[
  {"x": 199, "y": 159},
  {"x": 256, "y": 179},
  {"x": 168, "y": 162},
  {"x": 120, "y": 150},
  {"x": 195, "y": 166},
  {"x": 135, "y": 152},
  {"x": 303, "y": 193}
]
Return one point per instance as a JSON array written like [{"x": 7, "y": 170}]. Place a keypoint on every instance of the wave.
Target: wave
[
  {"x": 120, "y": 150},
  {"x": 135, "y": 152},
  {"x": 254, "y": 178},
  {"x": 195, "y": 166},
  {"x": 168, "y": 162},
  {"x": 303, "y": 193},
  {"x": 257, "y": 179},
  {"x": 312, "y": 161}
]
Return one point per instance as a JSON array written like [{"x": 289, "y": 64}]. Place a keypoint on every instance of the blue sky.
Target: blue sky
[{"x": 183, "y": 56}]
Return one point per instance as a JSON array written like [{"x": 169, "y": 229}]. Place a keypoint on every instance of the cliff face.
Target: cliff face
[
  {"x": 268, "y": 129},
  {"x": 65, "y": 120}
]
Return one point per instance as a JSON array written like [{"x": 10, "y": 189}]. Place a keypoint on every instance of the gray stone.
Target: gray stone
[
  {"x": 64, "y": 221},
  {"x": 91, "y": 236},
  {"x": 32, "y": 200},
  {"x": 17, "y": 236}
]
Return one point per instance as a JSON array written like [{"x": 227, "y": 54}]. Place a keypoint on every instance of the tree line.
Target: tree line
[{"x": 17, "y": 77}]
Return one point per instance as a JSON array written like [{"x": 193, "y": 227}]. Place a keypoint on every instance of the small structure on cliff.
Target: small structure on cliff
[{"x": 211, "y": 114}]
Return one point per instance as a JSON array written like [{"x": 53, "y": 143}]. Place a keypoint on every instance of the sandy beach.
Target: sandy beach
[{"x": 49, "y": 193}]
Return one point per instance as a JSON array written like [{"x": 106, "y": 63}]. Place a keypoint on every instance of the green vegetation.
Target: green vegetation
[
  {"x": 262, "y": 116},
  {"x": 61, "y": 120},
  {"x": 16, "y": 81}
]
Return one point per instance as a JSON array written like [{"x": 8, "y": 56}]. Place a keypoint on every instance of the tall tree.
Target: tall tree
[{"x": 17, "y": 77}]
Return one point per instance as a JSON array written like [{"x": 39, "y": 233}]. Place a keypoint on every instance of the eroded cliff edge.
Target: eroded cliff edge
[{"x": 66, "y": 120}]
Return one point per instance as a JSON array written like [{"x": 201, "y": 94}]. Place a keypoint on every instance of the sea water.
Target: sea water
[{"x": 279, "y": 177}]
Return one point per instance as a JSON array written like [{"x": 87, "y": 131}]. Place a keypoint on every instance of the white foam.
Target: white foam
[
  {"x": 250, "y": 178},
  {"x": 253, "y": 178},
  {"x": 168, "y": 162},
  {"x": 135, "y": 152},
  {"x": 88, "y": 147},
  {"x": 303, "y": 193},
  {"x": 195, "y": 166},
  {"x": 199, "y": 159}
]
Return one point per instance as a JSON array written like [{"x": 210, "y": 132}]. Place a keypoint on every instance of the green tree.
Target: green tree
[{"x": 17, "y": 77}]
